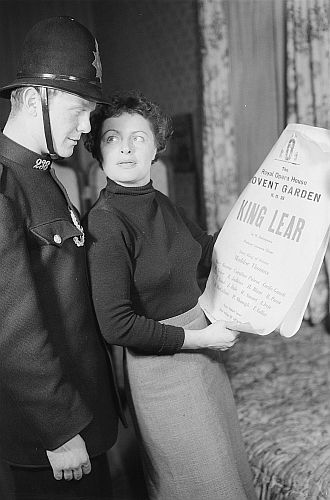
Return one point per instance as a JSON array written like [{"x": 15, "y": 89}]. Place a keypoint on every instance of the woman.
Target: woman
[{"x": 143, "y": 257}]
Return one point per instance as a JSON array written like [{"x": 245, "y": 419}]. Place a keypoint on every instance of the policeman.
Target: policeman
[{"x": 58, "y": 407}]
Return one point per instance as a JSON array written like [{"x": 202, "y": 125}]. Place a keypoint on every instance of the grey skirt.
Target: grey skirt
[{"x": 186, "y": 422}]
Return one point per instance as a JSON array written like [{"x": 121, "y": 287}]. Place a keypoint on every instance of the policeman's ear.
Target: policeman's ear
[{"x": 31, "y": 101}]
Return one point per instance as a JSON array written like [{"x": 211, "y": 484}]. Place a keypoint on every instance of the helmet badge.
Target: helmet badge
[{"x": 97, "y": 62}]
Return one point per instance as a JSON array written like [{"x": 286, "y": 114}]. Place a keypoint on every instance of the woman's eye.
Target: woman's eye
[
  {"x": 111, "y": 138},
  {"x": 138, "y": 138}
]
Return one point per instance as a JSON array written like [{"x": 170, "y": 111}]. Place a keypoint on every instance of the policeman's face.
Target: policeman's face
[
  {"x": 69, "y": 118},
  {"x": 127, "y": 148}
]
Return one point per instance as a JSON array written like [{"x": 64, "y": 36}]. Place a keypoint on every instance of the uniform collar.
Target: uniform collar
[{"x": 14, "y": 152}]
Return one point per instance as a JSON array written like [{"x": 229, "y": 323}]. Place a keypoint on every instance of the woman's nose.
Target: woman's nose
[{"x": 126, "y": 147}]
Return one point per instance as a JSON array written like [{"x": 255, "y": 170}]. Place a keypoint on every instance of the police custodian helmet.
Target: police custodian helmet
[{"x": 60, "y": 53}]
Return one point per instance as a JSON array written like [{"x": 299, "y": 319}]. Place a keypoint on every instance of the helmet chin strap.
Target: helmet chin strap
[{"x": 47, "y": 129}]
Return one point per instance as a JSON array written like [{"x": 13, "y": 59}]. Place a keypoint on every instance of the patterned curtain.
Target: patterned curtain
[
  {"x": 256, "y": 31},
  {"x": 219, "y": 160},
  {"x": 308, "y": 98},
  {"x": 308, "y": 62}
]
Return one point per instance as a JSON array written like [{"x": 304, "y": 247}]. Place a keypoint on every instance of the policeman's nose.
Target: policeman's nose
[{"x": 84, "y": 125}]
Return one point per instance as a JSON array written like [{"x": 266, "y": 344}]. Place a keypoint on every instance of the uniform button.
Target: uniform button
[{"x": 57, "y": 239}]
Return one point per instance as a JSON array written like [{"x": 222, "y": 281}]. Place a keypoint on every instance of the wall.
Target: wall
[{"x": 153, "y": 46}]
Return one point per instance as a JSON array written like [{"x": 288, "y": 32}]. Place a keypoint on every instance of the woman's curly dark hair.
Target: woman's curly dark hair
[{"x": 130, "y": 102}]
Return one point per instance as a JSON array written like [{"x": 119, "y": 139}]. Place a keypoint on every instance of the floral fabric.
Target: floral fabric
[
  {"x": 281, "y": 387},
  {"x": 219, "y": 159},
  {"x": 308, "y": 62}
]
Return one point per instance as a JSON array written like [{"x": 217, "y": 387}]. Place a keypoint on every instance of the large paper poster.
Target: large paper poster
[{"x": 269, "y": 252}]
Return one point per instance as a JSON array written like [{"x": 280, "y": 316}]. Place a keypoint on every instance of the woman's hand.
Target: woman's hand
[{"x": 215, "y": 336}]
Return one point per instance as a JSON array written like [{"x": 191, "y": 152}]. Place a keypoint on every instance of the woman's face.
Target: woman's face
[{"x": 127, "y": 148}]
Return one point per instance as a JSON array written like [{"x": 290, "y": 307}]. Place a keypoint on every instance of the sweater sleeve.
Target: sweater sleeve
[
  {"x": 30, "y": 370},
  {"x": 111, "y": 270}
]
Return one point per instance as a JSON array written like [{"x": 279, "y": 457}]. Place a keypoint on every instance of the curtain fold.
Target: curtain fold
[
  {"x": 308, "y": 62},
  {"x": 219, "y": 159},
  {"x": 243, "y": 98},
  {"x": 257, "y": 55}
]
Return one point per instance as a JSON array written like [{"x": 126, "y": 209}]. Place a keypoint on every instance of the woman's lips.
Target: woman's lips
[{"x": 127, "y": 164}]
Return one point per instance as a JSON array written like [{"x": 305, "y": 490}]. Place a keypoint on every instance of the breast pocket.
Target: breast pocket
[{"x": 57, "y": 232}]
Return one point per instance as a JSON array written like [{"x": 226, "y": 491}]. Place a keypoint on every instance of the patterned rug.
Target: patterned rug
[{"x": 282, "y": 390}]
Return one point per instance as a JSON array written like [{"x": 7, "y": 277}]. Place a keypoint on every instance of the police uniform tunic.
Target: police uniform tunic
[{"x": 54, "y": 372}]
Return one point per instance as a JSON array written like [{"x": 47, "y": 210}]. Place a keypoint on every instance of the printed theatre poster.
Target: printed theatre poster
[{"x": 268, "y": 254}]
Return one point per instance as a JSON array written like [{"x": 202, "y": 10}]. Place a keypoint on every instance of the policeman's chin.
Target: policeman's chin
[{"x": 66, "y": 150}]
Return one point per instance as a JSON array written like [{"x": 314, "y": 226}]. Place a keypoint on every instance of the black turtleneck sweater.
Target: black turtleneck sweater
[{"x": 143, "y": 257}]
